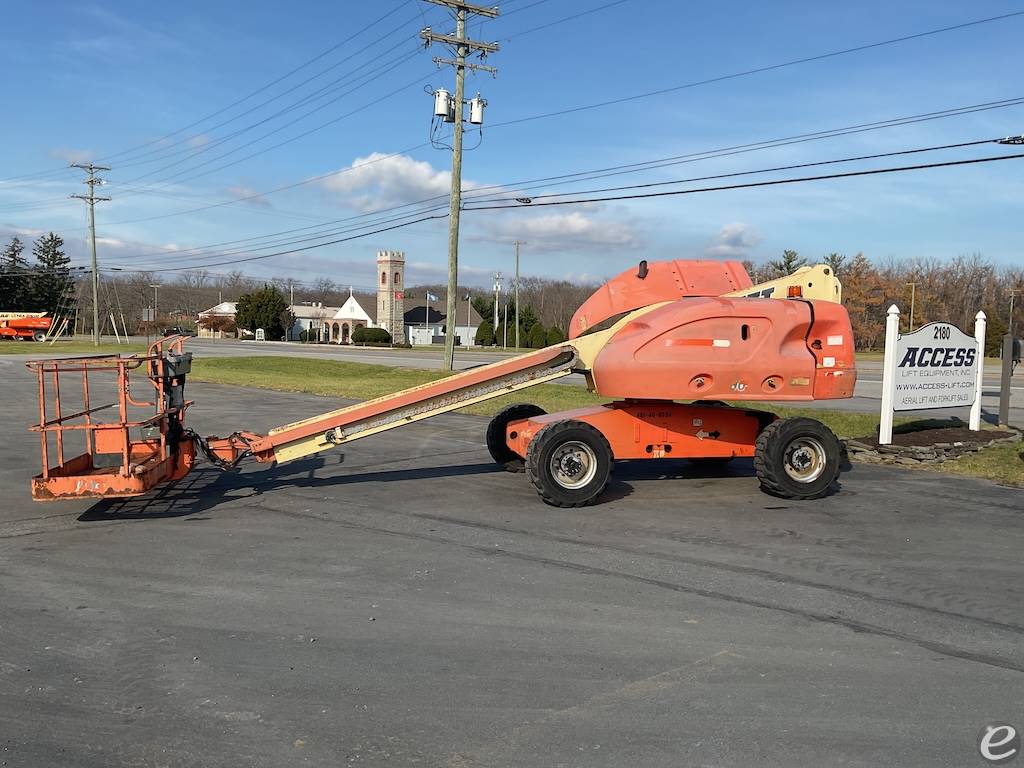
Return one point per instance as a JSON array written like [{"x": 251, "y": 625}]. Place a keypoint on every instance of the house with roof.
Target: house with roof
[
  {"x": 425, "y": 321},
  {"x": 225, "y": 311},
  {"x": 333, "y": 324}
]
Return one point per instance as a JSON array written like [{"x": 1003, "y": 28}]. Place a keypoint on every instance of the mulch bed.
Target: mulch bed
[{"x": 939, "y": 436}]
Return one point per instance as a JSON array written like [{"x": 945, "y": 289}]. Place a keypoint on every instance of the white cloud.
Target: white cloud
[
  {"x": 733, "y": 241},
  {"x": 380, "y": 181},
  {"x": 198, "y": 141},
  {"x": 69, "y": 155},
  {"x": 573, "y": 231}
]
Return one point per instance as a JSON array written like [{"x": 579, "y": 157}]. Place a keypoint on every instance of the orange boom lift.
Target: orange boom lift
[{"x": 653, "y": 336}]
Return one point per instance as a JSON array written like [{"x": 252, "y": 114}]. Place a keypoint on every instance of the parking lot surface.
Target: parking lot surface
[{"x": 412, "y": 605}]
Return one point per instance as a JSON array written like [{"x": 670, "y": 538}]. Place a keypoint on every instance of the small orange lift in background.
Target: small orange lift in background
[{"x": 653, "y": 336}]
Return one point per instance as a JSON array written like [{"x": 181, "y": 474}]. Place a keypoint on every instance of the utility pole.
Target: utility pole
[
  {"x": 154, "y": 286},
  {"x": 518, "y": 243},
  {"x": 498, "y": 290},
  {"x": 91, "y": 200},
  {"x": 1006, "y": 370},
  {"x": 461, "y": 47}
]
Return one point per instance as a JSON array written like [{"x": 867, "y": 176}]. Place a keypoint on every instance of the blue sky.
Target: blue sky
[{"x": 91, "y": 80}]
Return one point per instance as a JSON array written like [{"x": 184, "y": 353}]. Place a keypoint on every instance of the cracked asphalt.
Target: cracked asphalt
[{"x": 413, "y": 606}]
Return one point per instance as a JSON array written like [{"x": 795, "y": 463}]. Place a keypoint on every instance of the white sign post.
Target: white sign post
[
  {"x": 892, "y": 333},
  {"x": 980, "y": 323},
  {"x": 936, "y": 366}
]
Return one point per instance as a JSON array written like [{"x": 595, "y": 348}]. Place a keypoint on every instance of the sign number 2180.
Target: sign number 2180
[{"x": 941, "y": 332}]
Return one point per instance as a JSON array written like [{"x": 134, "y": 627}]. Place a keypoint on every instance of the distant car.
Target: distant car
[{"x": 178, "y": 331}]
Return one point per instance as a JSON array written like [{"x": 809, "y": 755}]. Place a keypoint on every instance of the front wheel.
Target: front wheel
[
  {"x": 39, "y": 336},
  {"x": 797, "y": 458},
  {"x": 569, "y": 463}
]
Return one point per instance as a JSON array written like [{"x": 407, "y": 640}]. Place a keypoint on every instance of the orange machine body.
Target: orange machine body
[
  {"x": 730, "y": 349},
  {"x": 28, "y": 326},
  {"x": 653, "y": 429}
]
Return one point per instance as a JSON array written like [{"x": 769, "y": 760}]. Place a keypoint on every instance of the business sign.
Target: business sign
[{"x": 936, "y": 367}]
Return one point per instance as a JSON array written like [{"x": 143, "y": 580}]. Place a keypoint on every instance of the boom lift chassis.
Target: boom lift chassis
[{"x": 681, "y": 330}]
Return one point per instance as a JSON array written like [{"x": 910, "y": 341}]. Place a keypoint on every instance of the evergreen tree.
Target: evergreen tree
[
  {"x": 555, "y": 335},
  {"x": 485, "y": 333},
  {"x": 538, "y": 336},
  {"x": 499, "y": 336},
  {"x": 15, "y": 278},
  {"x": 527, "y": 318},
  {"x": 52, "y": 284},
  {"x": 262, "y": 309},
  {"x": 788, "y": 264},
  {"x": 484, "y": 307},
  {"x": 836, "y": 261}
]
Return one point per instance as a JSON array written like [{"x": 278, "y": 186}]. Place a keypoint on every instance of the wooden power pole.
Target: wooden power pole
[
  {"x": 461, "y": 48},
  {"x": 91, "y": 200}
]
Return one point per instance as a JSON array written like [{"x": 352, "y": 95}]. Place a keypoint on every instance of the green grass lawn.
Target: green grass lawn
[
  {"x": 43, "y": 350},
  {"x": 361, "y": 381}
]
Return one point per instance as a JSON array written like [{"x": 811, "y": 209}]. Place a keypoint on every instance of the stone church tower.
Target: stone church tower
[{"x": 390, "y": 296}]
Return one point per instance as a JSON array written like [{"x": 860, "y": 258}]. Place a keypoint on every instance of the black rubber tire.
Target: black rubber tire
[
  {"x": 770, "y": 458},
  {"x": 538, "y": 463},
  {"x": 38, "y": 336},
  {"x": 496, "y": 445}
]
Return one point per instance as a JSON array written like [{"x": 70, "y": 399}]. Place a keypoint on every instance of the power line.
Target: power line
[
  {"x": 563, "y": 20},
  {"x": 753, "y": 184},
  {"x": 747, "y": 185},
  {"x": 758, "y": 70},
  {"x": 300, "y": 250},
  {"x": 237, "y": 102},
  {"x": 580, "y": 176},
  {"x": 876, "y": 156},
  {"x": 291, "y": 89},
  {"x": 374, "y": 76}
]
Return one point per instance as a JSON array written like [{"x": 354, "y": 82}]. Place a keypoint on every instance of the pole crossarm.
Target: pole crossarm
[
  {"x": 430, "y": 36},
  {"x": 480, "y": 10},
  {"x": 440, "y": 61}
]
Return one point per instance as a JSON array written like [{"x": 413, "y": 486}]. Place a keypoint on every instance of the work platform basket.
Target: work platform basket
[{"x": 122, "y": 446}]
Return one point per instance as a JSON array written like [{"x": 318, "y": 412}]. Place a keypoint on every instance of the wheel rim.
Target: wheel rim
[
  {"x": 805, "y": 459},
  {"x": 573, "y": 464}
]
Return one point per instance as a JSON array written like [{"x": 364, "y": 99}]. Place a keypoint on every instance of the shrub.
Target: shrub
[
  {"x": 485, "y": 334},
  {"x": 371, "y": 336}
]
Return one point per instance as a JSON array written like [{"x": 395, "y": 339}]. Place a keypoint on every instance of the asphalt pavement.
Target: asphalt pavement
[{"x": 411, "y": 605}]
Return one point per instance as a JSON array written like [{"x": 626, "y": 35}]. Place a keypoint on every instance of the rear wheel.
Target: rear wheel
[
  {"x": 39, "y": 336},
  {"x": 496, "y": 443},
  {"x": 569, "y": 463},
  {"x": 797, "y": 458}
]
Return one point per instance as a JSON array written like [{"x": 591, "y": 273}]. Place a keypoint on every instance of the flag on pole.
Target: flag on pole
[{"x": 431, "y": 297}]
